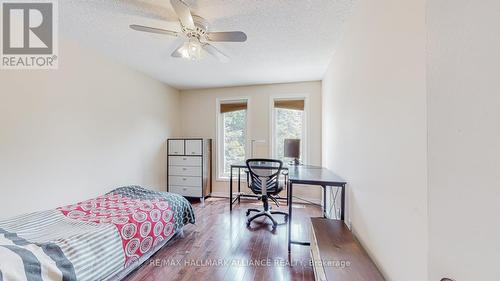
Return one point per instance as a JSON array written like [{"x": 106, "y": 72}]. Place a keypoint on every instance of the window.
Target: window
[
  {"x": 232, "y": 140},
  {"x": 288, "y": 123}
]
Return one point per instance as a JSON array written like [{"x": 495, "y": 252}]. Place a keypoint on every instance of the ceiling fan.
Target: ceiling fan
[{"x": 195, "y": 29}]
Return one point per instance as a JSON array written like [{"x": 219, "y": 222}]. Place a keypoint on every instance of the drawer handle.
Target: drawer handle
[
  {"x": 184, "y": 169},
  {"x": 193, "y": 152},
  {"x": 184, "y": 179},
  {"x": 184, "y": 158}
]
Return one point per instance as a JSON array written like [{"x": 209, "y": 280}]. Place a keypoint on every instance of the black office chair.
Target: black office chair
[{"x": 264, "y": 181}]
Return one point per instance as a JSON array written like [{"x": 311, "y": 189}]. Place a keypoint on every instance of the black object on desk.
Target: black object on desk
[
  {"x": 302, "y": 175},
  {"x": 291, "y": 149}
]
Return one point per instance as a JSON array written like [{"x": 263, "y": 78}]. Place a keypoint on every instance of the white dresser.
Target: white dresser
[{"x": 189, "y": 167}]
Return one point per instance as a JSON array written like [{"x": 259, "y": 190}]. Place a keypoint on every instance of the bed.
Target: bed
[{"x": 103, "y": 238}]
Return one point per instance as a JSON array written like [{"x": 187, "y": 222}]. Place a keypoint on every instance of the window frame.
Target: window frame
[
  {"x": 220, "y": 134},
  {"x": 304, "y": 146}
]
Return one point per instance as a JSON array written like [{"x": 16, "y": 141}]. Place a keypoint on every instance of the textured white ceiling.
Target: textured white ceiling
[{"x": 288, "y": 40}]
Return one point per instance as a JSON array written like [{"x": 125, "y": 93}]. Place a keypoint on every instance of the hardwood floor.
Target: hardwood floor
[{"x": 237, "y": 253}]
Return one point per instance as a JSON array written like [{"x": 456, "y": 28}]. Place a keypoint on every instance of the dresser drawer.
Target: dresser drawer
[
  {"x": 184, "y": 161},
  {"x": 187, "y": 191},
  {"x": 194, "y": 147},
  {"x": 175, "y": 147},
  {"x": 185, "y": 181},
  {"x": 193, "y": 171}
]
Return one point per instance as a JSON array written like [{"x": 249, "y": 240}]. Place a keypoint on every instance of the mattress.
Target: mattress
[
  {"x": 126, "y": 271},
  {"x": 97, "y": 239}
]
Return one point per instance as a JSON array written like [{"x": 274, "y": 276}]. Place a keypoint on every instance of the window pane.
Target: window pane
[
  {"x": 289, "y": 125},
  {"x": 234, "y": 138}
]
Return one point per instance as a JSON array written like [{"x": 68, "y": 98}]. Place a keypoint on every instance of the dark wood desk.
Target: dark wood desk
[{"x": 299, "y": 175}]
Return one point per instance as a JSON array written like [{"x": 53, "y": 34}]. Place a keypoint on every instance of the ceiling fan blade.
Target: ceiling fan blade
[
  {"x": 228, "y": 36},
  {"x": 215, "y": 52},
  {"x": 183, "y": 12},
  {"x": 153, "y": 30}
]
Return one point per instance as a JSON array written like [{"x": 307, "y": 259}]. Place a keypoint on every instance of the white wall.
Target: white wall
[
  {"x": 374, "y": 131},
  {"x": 199, "y": 118},
  {"x": 464, "y": 136},
  {"x": 80, "y": 131}
]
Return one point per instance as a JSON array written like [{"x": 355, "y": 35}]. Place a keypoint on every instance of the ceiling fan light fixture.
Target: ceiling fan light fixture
[
  {"x": 195, "y": 28},
  {"x": 191, "y": 50}
]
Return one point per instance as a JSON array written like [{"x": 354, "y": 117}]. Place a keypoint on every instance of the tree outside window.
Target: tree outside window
[{"x": 234, "y": 124}]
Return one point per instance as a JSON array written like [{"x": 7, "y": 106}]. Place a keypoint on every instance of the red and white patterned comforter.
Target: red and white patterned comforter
[{"x": 91, "y": 240}]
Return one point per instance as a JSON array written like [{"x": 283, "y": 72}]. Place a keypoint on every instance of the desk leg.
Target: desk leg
[
  {"x": 342, "y": 203},
  {"x": 286, "y": 184},
  {"x": 239, "y": 185},
  {"x": 231, "y": 189},
  {"x": 324, "y": 200},
  {"x": 289, "y": 216}
]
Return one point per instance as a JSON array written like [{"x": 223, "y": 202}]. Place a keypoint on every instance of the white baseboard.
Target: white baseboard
[{"x": 219, "y": 194}]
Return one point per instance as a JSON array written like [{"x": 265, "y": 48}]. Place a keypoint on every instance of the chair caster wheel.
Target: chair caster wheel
[
  {"x": 248, "y": 212},
  {"x": 274, "y": 228},
  {"x": 286, "y": 219},
  {"x": 248, "y": 224}
]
